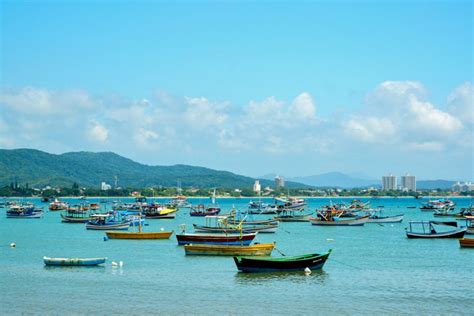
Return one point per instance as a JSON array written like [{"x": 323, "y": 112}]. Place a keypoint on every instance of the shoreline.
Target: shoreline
[{"x": 255, "y": 197}]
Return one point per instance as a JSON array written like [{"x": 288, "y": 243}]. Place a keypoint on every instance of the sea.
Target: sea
[{"x": 372, "y": 270}]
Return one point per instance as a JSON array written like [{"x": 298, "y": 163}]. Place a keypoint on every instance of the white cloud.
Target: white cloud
[
  {"x": 202, "y": 113},
  {"x": 303, "y": 107},
  {"x": 145, "y": 137},
  {"x": 97, "y": 132},
  {"x": 461, "y": 103},
  {"x": 37, "y": 101}
]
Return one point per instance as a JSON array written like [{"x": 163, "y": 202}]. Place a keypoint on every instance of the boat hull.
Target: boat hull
[
  {"x": 215, "y": 239},
  {"x": 387, "y": 219},
  {"x": 226, "y": 250},
  {"x": 245, "y": 229},
  {"x": 138, "y": 235},
  {"x": 67, "y": 262},
  {"x": 466, "y": 242},
  {"x": 123, "y": 226},
  {"x": 340, "y": 222},
  {"x": 295, "y": 218},
  {"x": 70, "y": 219},
  {"x": 297, "y": 263},
  {"x": 38, "y": 215},
  {"x": 458, "y": 233}
]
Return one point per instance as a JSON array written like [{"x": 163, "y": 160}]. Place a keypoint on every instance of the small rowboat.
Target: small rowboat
[
  {"x": 466, "y": 242},
  {"x": 226, "y": 250},
  {"x": 293, "y": 217},
  {"x": 73, "y": 261},
  {"x": 138, "y": 235},
  {"x": 295, "y": 263},
  {"x": 215, "y": 239},
  {"x": 428, "y": 230},
  {"x": 236, "y": 229},
  {"x": 357, "y": 221}
]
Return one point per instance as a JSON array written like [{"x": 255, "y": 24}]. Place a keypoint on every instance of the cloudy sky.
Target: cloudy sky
[{"x": 295, "y": 88}]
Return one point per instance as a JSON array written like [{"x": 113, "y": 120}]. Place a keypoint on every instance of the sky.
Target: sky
[{"x": 288, "y": 87}]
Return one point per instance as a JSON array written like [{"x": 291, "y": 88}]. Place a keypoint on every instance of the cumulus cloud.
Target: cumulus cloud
[
  {"x": 97, "y": 132},
  {"x": 37, "y": 101},
  {"x": 461, "y": 103}
]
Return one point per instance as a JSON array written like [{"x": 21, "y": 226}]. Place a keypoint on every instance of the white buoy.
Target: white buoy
[
  {"x": 162, "y": 229},
  {"x": 329, "y": 239},
  {"x": 121, "y": 263},
  {"x": 13, "y": 245},
  {"x": 114, "y": 264},
  {"x": 307, "y": 271}
]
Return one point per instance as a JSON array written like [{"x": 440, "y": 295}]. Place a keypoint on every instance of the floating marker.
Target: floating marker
[
  {"x": 106, "y": 238},
  {"x": 307, "y": 271},
  {"x": 13, "y": 245},
  {"x": 114, "y": 264},
  {"x": 162, "y": 229},
  {"x": 121, "y": 263},
  {"x": 329, "y": 239}
]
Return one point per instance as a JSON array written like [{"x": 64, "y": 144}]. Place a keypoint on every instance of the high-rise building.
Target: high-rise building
[
  {"x": 279, "y": 182},
  {"x": 257, "y": 187},
  {"x": 389, "y": 182},
  {"x": 408, "y": 182},
  {"x": 104, "y": 186}
]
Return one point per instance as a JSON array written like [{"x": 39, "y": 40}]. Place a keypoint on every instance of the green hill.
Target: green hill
[{"x": 38, "y": 168}]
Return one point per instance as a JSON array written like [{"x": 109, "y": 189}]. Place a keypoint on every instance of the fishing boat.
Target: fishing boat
[
  {"x": 433, "y": 205},
  {"x": 290, "y": 203},
  {"x": 236, "y": 217},
  {"x": 57, "y": 205},
  {"x": 156, "y": 211},
  {"x": 215, "y": 239},
  {"x": 429, "y": 229},
  {"x": 227, "y": 250},
  {"x": 295, "y": 263},
  {"x": 334, "y": 218},
  {"x": 73, "y": 261},
  {"x": 377, "y": 217},
  {"x": 19, "y": 211},
  {"x": 359, "y": 205},
  {"x": 76, "y": 214},
  {"x": 466, "y": 242},
  {"x": 291, "y": 216},
  {"x": 469, "y": 224},
  {"x": 201, "y": 210},
  {"x": 140, "y": 234},
  {"x": 107, "y": 222},
  {"x": 220, "y": 224},
  {"x": 445, "y": 212}
]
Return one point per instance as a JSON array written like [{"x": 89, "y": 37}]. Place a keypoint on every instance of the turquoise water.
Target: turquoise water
[{"x": 373, "y": 269}]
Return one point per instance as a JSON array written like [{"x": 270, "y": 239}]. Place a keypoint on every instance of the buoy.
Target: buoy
[
  {"x": 329, "y": 239},
  {"x": 114, "y": 264},
  {"x": 162, "y": 229},
  {"x": 106, "y": 238},
  {"x": 13, "y": 245},
  {"x": 121, "y": 263},
  {"x": 307, "y": 271}
]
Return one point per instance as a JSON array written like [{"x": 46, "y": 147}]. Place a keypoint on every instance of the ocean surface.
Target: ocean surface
[{"x": 373, "y": 269}]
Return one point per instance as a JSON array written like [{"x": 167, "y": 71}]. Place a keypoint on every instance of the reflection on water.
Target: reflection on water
[{"x": 317, "y": 276}]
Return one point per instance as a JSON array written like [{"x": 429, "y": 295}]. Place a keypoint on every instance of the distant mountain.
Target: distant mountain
[
  {"x": 434, "y": 184},
  {"x": 335, "y": 179},
  {"x": 38, "y": 168}
]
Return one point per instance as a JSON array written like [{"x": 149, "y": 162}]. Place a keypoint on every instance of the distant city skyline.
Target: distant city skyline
[{"x": 252, "y": 88}]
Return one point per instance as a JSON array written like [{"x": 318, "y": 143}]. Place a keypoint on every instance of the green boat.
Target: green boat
[{"x": 295, "y": 263}]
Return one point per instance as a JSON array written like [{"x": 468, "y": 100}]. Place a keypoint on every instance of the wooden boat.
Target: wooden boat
[
  {"x": 466, "y": 242},
  {"x": 293, "y": 217},
  {"x": 73, "y": 261},
  {"x": 159, "y": 213},
  {"x": 18, "y": 211},
  {"x": 215, "y": 239},
  {"x": 227, "y": 250},
  {"x": 236, "y": 229},
  {"x": 377, "y": 217},
  {"x": 76, "y": 215},
  {"x": 107, "y": 222},
  {"x": 336, "y": 221},
  {"x": 295, "y": 263},
  {"x": 429, "y": 230},
  {"x": 138, "y": 235},
  {"x": 57, "y": 205},
  {"x": 201, "y": 210}
]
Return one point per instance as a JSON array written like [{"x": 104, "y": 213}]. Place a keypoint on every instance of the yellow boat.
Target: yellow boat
[
  {"x": 229, "y": 250},
  {"x": 466, "y": 242},
  {"x": 138, "y": 235}
]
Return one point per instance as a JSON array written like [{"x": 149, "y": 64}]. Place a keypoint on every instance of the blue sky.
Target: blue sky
[{"x": 296, "y": 88}]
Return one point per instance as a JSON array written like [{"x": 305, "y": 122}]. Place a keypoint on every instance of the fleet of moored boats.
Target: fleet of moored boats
[{"x": 232, "y": 234}]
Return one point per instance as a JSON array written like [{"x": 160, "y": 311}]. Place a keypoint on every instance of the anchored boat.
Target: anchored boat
[
  {"x": 466, "y": 242},
  {"x": 229, "y": 250},
  {"x": 295, "y": 263},
  {"x": 429, "y": 229},
  {"x": 73, "y": 261},
  {"x": 215, "y": 239}
]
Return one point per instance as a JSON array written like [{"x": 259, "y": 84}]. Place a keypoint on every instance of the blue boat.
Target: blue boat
[
  {"x": 18, "y": 211},
  {"x": 107, "y": 222}
]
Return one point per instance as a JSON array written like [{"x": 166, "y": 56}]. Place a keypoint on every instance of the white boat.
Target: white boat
[
  {"x": 428, "y": 230},
  {"x": 386, "y": 219}
]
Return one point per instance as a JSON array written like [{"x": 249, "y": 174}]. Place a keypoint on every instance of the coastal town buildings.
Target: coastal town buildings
[
  {"x": 408, "y": 182},
  {"x": 389, "y": 182}
]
